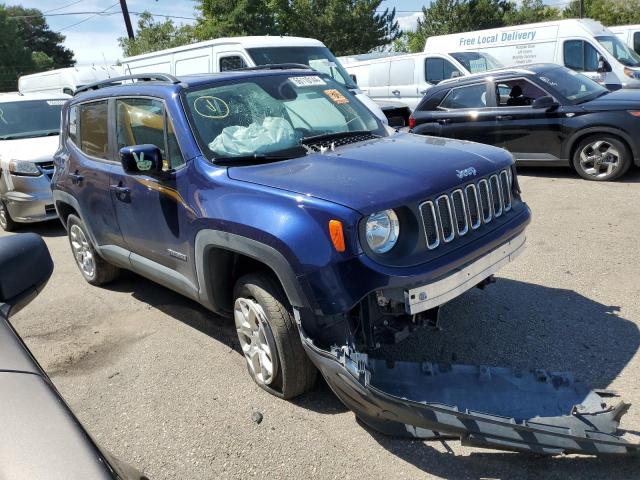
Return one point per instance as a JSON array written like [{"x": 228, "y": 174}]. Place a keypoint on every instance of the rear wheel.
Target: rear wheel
[
  {"x": 269, "y": 337},
  {"x": 602, "y": 158},
  {"x": 6, "y": 222},
  {"x": 95, "y": 269}
]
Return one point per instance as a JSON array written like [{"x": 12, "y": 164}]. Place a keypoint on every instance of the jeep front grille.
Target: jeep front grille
[{"x": 453, "y": 215}]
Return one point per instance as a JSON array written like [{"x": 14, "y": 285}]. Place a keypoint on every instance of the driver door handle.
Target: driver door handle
[
  {"x": 504, "y": 117},
  {"x": 444, "y": 121},
  {"x": 121, "y": 192},
  {"x": 395, "y": 92}
]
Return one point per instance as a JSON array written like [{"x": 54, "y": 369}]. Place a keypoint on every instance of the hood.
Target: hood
[
  {"x": 381, "y": 173},
  {"x": 624, "y": 99},
  {"x": 38, "y": 149}
]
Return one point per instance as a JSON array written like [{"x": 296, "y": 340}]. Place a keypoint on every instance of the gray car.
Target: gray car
[{"x": 29, "y": 129}]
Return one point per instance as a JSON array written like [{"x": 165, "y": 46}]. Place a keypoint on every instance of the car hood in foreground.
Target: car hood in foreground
[
  {"x": 32, "y": 149},
  {"x": 381, "y": 173}
]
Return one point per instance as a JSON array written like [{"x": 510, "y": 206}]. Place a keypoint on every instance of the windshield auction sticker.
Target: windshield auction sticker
[
  {"x": 336, "y": 96},
  {"x": 307, "y": 81}
]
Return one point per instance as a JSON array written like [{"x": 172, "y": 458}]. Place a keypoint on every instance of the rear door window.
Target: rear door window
[
  {"x": 580, "y": 56},
  {"x": 73, "y": 124},
  {"x": 470, "y": 96},
  {"x": 636, "y": 41},
  {"x": 94, "y": 137}
]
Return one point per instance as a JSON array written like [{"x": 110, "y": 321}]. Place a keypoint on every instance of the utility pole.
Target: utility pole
[
  {"x": 127, "y": 19},
  {"x": 581, "y": 8}
]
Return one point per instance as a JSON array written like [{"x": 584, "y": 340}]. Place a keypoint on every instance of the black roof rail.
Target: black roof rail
[
  {"x": 278, "y": 66},
  {"x": 141, "y": 77}
]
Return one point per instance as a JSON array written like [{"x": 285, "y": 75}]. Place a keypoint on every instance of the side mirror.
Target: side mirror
[
  {"x": 603, "y": 66},
  {"x": 354, "y": 78},
  {"x": 25, "y": 267},
  {"x": 456, "y": 74},
  {"x": 546, "y": 102},
  {"x": 141, "y": 160}
]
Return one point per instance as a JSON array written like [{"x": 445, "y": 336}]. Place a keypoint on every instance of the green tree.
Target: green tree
[
  {"x": 41, "y": 61},
  {"x": 345, "y": 26},
  {"x": 31, "y": 26},
  {"x": 15, "y": 57},
  {"x": 531, "y": 11},
  {"x": 442, "y": 17},
  {"x": 152, "y": 35},
  {"x": 609, "y": 12}
]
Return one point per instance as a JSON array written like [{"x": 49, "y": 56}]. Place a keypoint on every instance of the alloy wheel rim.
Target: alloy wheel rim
[
  {"x": 256, "y": 340},
  {"x": 82, "y": 251},
  {"x": 599, "y": 159},
  {"x": 3, "y": 215}
]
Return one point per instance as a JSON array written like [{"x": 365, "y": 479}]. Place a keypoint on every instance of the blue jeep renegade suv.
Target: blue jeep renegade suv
[{"x": 275, "y": 197}]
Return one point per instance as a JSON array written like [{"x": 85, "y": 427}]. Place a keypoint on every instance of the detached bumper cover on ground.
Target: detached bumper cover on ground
[{"x": 534, "y": 411}]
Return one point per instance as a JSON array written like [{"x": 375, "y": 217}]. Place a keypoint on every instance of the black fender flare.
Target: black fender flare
[
  {"x": 207, "y": 239},
  {"x": 64, "y": 197},
  {"x": 583, "y": 132}
]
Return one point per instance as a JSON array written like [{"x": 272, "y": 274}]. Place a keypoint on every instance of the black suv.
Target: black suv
[{"x": 543, "y": 114}]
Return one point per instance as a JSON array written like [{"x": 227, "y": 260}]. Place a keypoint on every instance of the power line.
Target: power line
[
  {"x": 62, "y": 8},
  {"x": 89, "y": 18}
]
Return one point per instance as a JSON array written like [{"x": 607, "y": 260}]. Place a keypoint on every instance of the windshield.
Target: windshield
[
  {"x": 31, "y": 118},
  {"x": 476, "y": 62},
  {"x": 574, "y": 86},
  {"x": 319, "y": 58},
  {"x": 620, "y": 51},
  {"x": 273, "y": 115}
]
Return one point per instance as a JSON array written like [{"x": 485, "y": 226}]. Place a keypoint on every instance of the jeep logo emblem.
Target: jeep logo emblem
[{"x": 467, "y": 172}]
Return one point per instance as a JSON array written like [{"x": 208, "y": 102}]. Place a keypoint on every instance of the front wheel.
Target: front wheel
[
  {"x": 601, "y": 158},
  {"x": 269, "y": 337},
  {"x": 6, "y": 222}
]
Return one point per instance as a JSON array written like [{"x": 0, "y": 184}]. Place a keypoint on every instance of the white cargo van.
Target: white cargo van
[
  {"x": 583, "y": 45},
  {"x": 65, "y": 80},
  {"x": 223, "y": 54},
  {"x": 406, "y": 77},
  {"x": 629, "y": 34}
]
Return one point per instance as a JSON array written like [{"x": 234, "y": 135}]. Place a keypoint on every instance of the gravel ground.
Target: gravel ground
[{"x": 159, "y": 381}]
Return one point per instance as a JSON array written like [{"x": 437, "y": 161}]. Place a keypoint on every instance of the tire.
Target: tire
[
  {"x": 272, "y": 328},
  {"x": 95, "y": 269},
  {"x": 6, "y": 222},
  {"x": 593, "y": 154}
]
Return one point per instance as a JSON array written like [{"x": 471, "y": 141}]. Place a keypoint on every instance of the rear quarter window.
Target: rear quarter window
[
  {"x": 432, "y": 100},
  {"x": 73, "y": 124}
]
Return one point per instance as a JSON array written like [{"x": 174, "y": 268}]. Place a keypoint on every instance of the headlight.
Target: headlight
[
  {"x": 382, "y": 230},
  {"x": 21, "y": 167}
]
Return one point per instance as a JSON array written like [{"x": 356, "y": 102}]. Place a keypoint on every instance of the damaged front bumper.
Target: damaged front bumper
[{"x": 529, "y": 411}]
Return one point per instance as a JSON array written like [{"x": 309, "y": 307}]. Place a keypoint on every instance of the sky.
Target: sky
[{"x": 94, "y": 37}]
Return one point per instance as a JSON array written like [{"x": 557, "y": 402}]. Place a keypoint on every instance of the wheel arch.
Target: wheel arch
[
  {"x": 581, "y": 134},
  {"x": 223, "y": 257}
]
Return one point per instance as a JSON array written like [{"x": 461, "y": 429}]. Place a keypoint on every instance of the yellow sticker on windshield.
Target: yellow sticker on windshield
[{"x": 336, "y": 96}]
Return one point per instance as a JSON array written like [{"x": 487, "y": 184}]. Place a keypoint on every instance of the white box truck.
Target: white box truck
[
  {"x": 629, "y": 34},
  {"x": 223, "y": 54},
  {"x": 406, "y": 77},
  {"x": 583, "y": 45},
  {"x": 65, "y": 80}
]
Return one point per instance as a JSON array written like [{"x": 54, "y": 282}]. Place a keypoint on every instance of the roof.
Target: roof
[
  {"x": 20, "y": 97},
  {"x": 161, "y": 88},
  {"x": 502, "y": 72},
  {"x": 245, "y": 42}
]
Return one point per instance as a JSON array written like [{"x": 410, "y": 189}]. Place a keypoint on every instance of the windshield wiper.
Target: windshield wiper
[
  {"x": 333, "y": 136},
  {"x": 260, "y": 157}
]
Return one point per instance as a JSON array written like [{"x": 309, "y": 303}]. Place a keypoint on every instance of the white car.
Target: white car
[{"x": 29, "y": 131}]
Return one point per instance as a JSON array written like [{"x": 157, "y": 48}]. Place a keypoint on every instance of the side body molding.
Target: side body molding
[{"x": 207, "y": 240}]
